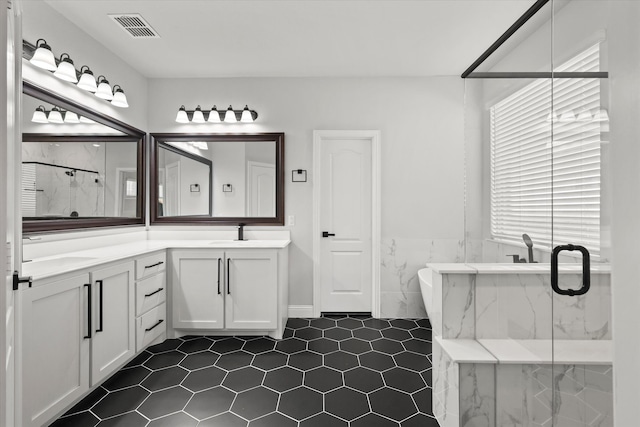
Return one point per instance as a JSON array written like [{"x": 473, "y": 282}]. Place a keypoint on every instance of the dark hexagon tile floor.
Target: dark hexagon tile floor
[{"x": 346, "y": 371}]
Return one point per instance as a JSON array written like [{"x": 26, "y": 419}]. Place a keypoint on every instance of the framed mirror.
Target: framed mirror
[
  {"x": 80, "y": 169},
  {"x": 219, "y": 179}
]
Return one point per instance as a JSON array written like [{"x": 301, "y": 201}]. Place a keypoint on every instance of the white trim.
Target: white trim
[
  {"x": 300, "y": 311},
  {"x": 249, "y": 183},
  {"x": 374, "y": 136}
]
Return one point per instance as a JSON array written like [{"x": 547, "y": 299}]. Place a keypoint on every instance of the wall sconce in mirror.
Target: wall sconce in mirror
[
  {"x": 227, "y": 188},
  {"x": 195, "y": 188},
  {"x": 298, "y": 175},
  {"x": 57, "y": 116},
  {"x": 213, "y": 116},
  {"x": 41, "y": 56}
]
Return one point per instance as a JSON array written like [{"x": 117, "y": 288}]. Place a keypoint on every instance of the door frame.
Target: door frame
[
  {"x": 373, "y": 137},
  {"x": 249, "y": 184}
]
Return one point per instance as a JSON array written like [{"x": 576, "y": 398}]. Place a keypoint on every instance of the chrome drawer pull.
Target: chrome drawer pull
[
  {"x": 154, "y": 326},
  {"x": 153, "y": 293}
]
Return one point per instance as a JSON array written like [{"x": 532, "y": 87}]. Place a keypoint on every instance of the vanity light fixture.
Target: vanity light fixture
[
  {"x": 87, "y": 80},
  {"x": 55, "y": 116},
  {"x": 104, "y": 89},
  {"x": 71, "y": 117},
  {"x": 213, "y": 116},
  {"x": 584, "y": 116},
  {"x": 66, "y": 70},
  {"x": 39, "y": 116},
  {"x": 567, "y": 117},
  {"x": 182, "y": 115},
  {"x": 601, "y": 115},
  {"x": 43, "y": 57},
  {"x": 119, "y": 98},
  {"x": 198, "y": 117},
  {"x": 230, "y": 115}
]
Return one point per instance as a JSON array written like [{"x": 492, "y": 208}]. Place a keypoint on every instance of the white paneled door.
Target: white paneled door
[{"x": 344, "y": 216}]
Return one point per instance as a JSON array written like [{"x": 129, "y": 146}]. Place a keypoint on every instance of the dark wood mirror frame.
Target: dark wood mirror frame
[
  {"x": 157, "y": 139},
  {"x": 132, "y": 135}
]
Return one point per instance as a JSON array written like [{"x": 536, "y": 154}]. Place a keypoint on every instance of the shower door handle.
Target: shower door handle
[{"x": 586, "y": 270}]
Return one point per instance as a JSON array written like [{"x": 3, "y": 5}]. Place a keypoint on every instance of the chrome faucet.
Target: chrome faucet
[
  {"x": 241, "y": 231},
  {"x": 527, "y": 241}
]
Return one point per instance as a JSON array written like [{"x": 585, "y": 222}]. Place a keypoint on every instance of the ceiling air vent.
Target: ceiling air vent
[{"x": 135, "y": 25}]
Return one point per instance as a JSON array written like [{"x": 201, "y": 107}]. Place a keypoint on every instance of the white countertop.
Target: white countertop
[
  {"x": 465, "y": 351},
  {"x": 509, "y": 268},
  {"x": 41, "y": 268}
]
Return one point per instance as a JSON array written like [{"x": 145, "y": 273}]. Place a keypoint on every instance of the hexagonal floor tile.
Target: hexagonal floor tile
[
  {"x": 291, "y": 345},
  {"x": 355, "y": 346},
  {"x": 323, "y": 345},
  {"x": 288, "y": 333},
  {"x": 165, "y": 378},
  {"x": 308, "y": 333},
  {"x": 422, "y": 333},
  {"x": 259, "y": 345},
  {"x": 227, "y": 345},
  {"x": 243, "y": 379},
  {"x": 384, "y": 345},
  {"x": 323, "y": 323},
  {"x": 165, "y": 345},
  {"x": 424, "y": 323},
  {"x": 420, "y": 420},
  {"x": 195, "y": 345},
  {"x": 403, "y": 324},
  {"x": 210, "y": 402},
  {"x": 337, "y": 334},
  {"x": 423, "y": 400},
  {"x": 283, "y": 379},
  {"x": 273, "y": 420},
  {"x": 165, "y": 402},
  {"x": 255, "y": 403},
  {"x": 417, "y": 346},
  {"x": 87, "y": 403},
  {"x": 126, "y": 378},
  {"x": 323, "y": 379},
  {"x": 376, "y": 323},
  {"x": 363, "y": 379},
  {"x": 305, "y": 360},
  {"x": 85, "y": 419},
  {"x": 164, "y": 360},
  {"x": 346, "y": 403},
  {"x": 377, "y": 361},
  {"x": 199, "y": 360},
  {"x": 341, "y": 360},
  {"x": 300, "y": 403},
  {"x": 373, "y": 420},
  {"x": 234, "y": 360},
  {"x": 324, "y": 420},
  {"x": 350, "y": 323},
  {"x": 131, "y": 419},
  {"x": 204, "y": 378},
  {"x": 403, "y": 379},
  {"x": 295, "y": 323},
  {"x": 270, "y": 360},
  {"x": 392, "y": 404},
  {"x": 396, "y": 334},
  {"x": 174, "y": 420},
  {"x": 367, "y": 334},
  {"x": 413, "y": 361},
  {"x": 427, "y": 376},
  {"x": 139, "y": 359},
  {"x": 120, "y": 402},
  {"x": 226, "y": 419}
]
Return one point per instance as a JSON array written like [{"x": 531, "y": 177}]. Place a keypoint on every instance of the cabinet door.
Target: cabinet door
[
  {"x": 55, "y": 350},
  {"x": 252, "y": 289},
  {"x": 114, "y": 320},
  {"x": 197, "y": 286}
]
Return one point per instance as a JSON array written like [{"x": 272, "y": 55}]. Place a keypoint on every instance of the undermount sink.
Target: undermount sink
[{"x": 59, "y": 262}]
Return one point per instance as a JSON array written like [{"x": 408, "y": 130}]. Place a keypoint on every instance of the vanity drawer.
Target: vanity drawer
[
  {"x": 150, "y": 292},
  {"x": 151, "y": 264},
  {"x": 150, "y": 326}
]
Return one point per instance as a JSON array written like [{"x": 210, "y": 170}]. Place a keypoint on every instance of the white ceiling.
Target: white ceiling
[{"x": 299, "y": 38}]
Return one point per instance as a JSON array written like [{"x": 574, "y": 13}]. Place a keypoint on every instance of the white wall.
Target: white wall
[
  {"x": 422, "y": 160},
  {"x": 40, "y": 21},
  {"x": 228, "y": 168}
]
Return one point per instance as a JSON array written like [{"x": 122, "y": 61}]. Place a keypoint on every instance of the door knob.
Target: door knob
[{"x": 327, "y": 234}]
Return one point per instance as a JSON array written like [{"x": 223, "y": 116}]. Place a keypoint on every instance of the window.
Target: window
[{"x": 546, "y": 165}]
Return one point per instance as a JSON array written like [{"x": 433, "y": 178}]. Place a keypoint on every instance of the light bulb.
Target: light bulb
[
  {"x": 584, "y": 116},
  {"x": 43, "y": 57},
  {"x": 601, "y": 115},
  {"x": 230, "y": 116},
  {"x": 214, "y": 115},
  {"x": 39, "y": 116},
  {"x": 66, "y": 70},
  {"x": 567, "y": 117},
  {"x": 198, "y": 117},
  {"x": 55, "y": 116},
  {"x": 87, "y": 80},
  {"x": 119, "y": 98},
  {"x": 246, "y": 115},
  {"x": 104, "y": 89},
  {"x": 182, "y": 116},
  {"x": 71, "y": 117}
]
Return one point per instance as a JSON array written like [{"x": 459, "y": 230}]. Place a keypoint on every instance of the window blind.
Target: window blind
[{"x": 547, "y": 166}]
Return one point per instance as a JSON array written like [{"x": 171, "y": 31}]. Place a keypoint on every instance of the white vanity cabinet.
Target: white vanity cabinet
[
  {"x": 56, "y": 337},
  {"x": 229, "y": 290},
  {"x": 151, "y": 295}
]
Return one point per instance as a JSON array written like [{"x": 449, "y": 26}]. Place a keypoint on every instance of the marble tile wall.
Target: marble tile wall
[
  {"x": 400, "y": 261},
  {"x": 446, "y": 388},
  {"x": 477, "y": 395},
  {"x": 525, "y": 307}
]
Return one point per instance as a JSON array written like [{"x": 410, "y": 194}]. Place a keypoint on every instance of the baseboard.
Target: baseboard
[{"x": 297, "y": 311}]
